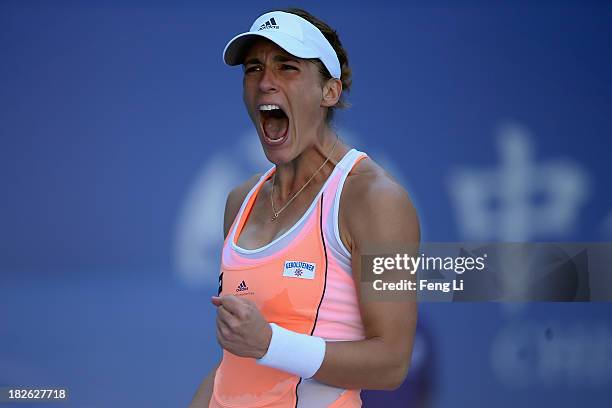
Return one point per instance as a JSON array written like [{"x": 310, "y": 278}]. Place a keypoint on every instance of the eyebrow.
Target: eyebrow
[{"x": 276, "y": 58}]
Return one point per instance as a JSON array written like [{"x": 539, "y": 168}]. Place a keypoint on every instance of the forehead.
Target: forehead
[{"x": 260, "y": 47}]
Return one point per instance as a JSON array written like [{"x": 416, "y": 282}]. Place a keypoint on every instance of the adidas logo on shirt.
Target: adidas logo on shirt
[
  {"x": 242, "y": 287},
  {"x": 271, "y": 23}
]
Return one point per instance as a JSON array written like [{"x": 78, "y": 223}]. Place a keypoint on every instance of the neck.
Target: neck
[{"x": 291, "y": 176}]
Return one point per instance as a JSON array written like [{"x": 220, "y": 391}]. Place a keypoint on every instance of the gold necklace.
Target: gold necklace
[{"x": 276, "y": 213}]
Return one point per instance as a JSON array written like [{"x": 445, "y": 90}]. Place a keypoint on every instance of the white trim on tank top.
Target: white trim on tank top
[
  {"x": 336, "y": 208},
  {"x": 294, "y": 226}
]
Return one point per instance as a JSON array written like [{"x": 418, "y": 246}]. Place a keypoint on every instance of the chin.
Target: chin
[{"x": 277, "y": 156}]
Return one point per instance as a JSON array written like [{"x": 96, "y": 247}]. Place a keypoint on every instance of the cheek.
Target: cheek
[
  {"x": 308, "y": 99},
  {"x": 249, "y": 85},
  {"x": 246, "y": 90},
  {"x": 248, "y": 98}
]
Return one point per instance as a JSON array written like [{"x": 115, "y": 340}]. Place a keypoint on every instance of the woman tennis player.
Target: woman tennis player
[{"x": 290, "y": 321}]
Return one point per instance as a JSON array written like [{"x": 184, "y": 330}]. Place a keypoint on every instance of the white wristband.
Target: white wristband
[{"x": 292, "y": 352}]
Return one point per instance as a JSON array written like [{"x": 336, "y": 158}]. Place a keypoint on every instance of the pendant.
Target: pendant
[{"x": 274, "y": 217}]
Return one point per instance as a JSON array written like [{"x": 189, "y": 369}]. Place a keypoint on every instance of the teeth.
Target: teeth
[{"x": 268, "y": 107}]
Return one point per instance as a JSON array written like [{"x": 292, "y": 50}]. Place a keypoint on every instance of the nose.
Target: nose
[{"x": 267, "y": 83}]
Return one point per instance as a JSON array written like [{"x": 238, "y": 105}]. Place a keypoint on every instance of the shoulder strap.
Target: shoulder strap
[{"x": 331, "y": 206}]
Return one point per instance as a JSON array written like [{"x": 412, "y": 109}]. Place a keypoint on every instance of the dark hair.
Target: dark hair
[{"x": 332, "y": 36}]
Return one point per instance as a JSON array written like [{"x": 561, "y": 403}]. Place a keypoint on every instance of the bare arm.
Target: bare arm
[
  {"x": 378, "y": 212},
  {"x": 204, "y": 393}
]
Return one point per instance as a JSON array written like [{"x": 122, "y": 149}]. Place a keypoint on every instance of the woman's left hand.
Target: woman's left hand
[{"x": 241, "y": 328}]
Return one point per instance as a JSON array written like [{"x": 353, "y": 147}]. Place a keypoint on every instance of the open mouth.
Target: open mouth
[{"x": 275, "y": 124}]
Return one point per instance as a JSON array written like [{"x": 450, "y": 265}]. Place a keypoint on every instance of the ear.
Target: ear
[{"x": 331, "y": 92}]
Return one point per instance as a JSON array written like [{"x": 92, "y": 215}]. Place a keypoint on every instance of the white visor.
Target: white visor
[{"x": 292, "y": 33}]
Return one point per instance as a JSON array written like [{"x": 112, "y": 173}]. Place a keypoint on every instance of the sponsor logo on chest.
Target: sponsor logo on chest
[{"x": 298, "y": 269}]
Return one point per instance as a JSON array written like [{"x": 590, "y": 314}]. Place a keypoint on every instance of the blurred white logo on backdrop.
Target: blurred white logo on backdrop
[{"x": 521, "y": 198}]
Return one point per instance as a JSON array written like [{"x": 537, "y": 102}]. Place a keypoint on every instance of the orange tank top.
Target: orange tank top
[{"x": 301, "y": 281}]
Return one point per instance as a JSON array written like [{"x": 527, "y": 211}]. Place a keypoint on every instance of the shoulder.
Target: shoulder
[
  {"x": 235, "y": 199},
  {"x": 374, "y": 206}
]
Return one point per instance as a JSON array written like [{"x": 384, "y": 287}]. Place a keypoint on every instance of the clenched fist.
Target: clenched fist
[{"x": 241, "y": 328}]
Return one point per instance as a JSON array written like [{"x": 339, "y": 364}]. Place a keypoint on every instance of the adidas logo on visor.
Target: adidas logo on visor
[{"x": 271, "y": 23}]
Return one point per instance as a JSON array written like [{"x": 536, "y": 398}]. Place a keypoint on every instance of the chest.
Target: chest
[
  {"x": 259, "y": 229},
  {"x": 286, "y": 280}
]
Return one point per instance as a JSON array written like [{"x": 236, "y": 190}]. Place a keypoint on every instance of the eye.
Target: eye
[
  {"x": 288, "y": 67},
  {"x": 252, "y": 68}
]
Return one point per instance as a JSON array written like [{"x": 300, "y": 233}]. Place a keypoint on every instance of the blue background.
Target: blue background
[{"x": 122, "y": 132}]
